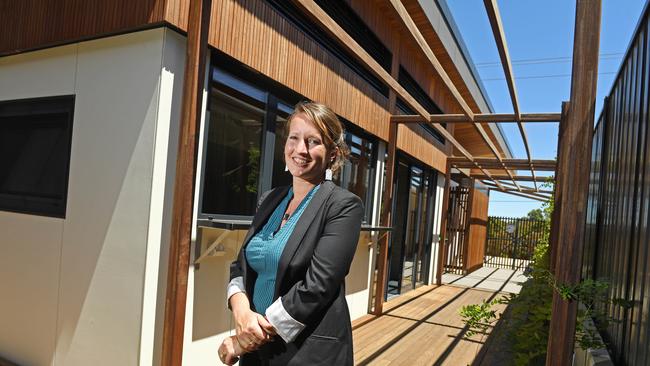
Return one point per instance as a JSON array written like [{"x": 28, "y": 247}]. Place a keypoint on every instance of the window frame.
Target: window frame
[
  {"x": 276, "y": 95},
  {"x": 34, "y": 107},
  {"x": 372, "y": 171},
  {"x": 408, "y": 82}
]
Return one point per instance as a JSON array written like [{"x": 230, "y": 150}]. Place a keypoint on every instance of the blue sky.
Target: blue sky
[{"x": 539, "y": 35}]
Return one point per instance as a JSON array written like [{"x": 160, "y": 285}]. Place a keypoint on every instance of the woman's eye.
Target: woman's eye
[{"x": 313, "y": 142}]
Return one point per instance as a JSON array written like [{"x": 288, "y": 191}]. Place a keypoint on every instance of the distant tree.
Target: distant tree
[{"x": 536, "y": 214}]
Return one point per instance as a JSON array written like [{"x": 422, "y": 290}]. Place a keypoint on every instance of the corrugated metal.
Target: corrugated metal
[{"x": 617, "y": 239}]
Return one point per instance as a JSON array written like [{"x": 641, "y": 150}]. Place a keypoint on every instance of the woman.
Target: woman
[{"x": 286, "y": 288}]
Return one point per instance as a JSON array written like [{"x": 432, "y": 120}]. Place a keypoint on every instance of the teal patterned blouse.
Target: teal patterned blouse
[{"x": 265, "y": 248}]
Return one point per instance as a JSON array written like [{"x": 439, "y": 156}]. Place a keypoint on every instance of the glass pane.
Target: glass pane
[
  {"x": 411, "y": 237},
  {"x": 398, "y": 236},
  {"x": 35, "y": 137},
  {"x": 34, "y": 155},
  {"x": 421, "y": 255},
  {"x": 233, "y": 154},
  {"x": 280, "y": 176},
  {"x": 358, "y": 168}
]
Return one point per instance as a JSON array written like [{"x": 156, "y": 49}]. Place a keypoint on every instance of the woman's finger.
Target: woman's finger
[{"x": 266, "y": 326}]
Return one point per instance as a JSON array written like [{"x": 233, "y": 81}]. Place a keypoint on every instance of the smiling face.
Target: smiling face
[{"x": 305, "y": 152}]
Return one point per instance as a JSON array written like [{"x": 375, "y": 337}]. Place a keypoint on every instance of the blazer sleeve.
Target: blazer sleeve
[{"x": 329, "y": 265}]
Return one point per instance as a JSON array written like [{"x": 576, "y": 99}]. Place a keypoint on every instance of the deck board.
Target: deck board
[{"x": 422, "y": 327}]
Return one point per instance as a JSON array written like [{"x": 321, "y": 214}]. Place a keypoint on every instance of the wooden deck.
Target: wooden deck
[{"x": 422, "y": 327}]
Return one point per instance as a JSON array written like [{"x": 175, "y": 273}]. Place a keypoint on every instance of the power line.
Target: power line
[
  {"x": 544, "y": 76},
  {"x": 545, "y": 60}
]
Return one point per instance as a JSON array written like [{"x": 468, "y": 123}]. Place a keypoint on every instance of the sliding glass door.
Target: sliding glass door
[{"x": 410, "y": 248}]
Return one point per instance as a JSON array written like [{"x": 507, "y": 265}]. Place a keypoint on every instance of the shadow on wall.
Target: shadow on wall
[{"x": 211, "y": 314}]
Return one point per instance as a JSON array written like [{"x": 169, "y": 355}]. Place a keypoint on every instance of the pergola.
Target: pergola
[{"x": 498, "y": 173}]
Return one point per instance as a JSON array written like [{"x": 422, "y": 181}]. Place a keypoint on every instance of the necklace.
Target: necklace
[{"x": 288, "y": 213}]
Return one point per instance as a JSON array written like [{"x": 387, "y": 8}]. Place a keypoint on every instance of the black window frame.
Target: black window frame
[
  {"x": 30, "y": 204},
  {"x": 409, "y": 83},
  {"x": 277, "y": 95}
]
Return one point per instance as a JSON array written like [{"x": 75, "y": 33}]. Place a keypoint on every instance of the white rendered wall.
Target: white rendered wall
[{"x": 75, "y": 289}]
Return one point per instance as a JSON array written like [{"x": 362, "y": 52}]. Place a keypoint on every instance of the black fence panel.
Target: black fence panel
[
  {"x": 511, "y": 242},
  {"x": 617, "y": 240}
]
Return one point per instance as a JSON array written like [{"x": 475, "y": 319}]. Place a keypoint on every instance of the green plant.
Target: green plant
[
  {"x": 526, "y": 323},
  {"x": 478, "y": 317}
]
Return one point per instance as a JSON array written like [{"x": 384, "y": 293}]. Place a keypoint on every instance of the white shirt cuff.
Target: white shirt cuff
[
  {"x": 287, "y": 327},
  {"x": 236, "y": 285}
]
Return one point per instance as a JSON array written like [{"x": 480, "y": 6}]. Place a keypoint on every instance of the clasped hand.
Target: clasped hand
[{"x": 253, "y": 330}]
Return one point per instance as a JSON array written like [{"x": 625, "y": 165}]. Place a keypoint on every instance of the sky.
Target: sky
[{"x": 539, "y": 35}]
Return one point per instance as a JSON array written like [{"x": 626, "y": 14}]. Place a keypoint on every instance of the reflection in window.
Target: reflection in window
[
  {"x": 232, "y": 167},
  {"x": 35, "y": 138},
  {"x": 357, "y": 172},
  {"x": 280, "y": 176}
]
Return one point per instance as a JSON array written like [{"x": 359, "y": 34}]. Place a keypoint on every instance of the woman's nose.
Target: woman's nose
[{"x": 302, "y": 146}]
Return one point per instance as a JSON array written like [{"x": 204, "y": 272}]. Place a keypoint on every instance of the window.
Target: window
[
  {"x": 35, "y": 141},
  {"x": 357, "y": 175},
  {"x": 234, "y": 139},
  {"x": 244, "y": 145},
  {"x": 409, "y": 83},
  {"x": 353, "y": 25},
  {"x": 281, "y": 177}
]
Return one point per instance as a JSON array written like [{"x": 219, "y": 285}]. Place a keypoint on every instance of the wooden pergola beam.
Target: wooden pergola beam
[
  {"x": 493, "y": 167},
  {"x": 574, "y": 174},
  {"x": 520, "y": 178},
  {"x": 319, "y": 16},
  {"x": 329, "y": 25},
  {"x": 479, "y": 118},
  {"x": 492, "y": 10},
  {"x": 529, "y": 194},
  {"x": 437, "y": 66},
  {"x": 529, "y": 189},
  {"x": 493, "y": 164},
  {"x": 519, "y": 194},
  {"x": 439, "y": 70},
  {"x": 461, "y": 160}
]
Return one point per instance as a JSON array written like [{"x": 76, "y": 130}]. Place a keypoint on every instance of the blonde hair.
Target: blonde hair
[{"x": 329, "y": 126}]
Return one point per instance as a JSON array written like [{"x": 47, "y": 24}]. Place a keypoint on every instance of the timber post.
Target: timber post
[
  {"x": 184, "y": 182},
  {"x": 576, "y": 141}
]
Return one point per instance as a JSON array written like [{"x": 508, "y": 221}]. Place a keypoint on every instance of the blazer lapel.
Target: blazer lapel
[
  {"x": 266, "y": 208},
  {"x": 315, "y": 205}
]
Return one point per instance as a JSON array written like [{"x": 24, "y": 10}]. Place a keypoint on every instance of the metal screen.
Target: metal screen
[
  {"x": 457, "y": 229},
  {"x": 511, "y": 242}
]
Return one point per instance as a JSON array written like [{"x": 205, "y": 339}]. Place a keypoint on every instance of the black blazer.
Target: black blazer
[{"x": 310, "y": 278}]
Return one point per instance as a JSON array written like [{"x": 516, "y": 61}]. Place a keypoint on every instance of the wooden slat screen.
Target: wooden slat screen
[
  {"x": 457, "y": 221},
  {"x": 617, "y": 240},
  {"x": 477, "y": 231}
]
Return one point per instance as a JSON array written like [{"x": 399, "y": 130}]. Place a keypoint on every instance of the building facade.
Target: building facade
[{"x": 90, "y": 104}]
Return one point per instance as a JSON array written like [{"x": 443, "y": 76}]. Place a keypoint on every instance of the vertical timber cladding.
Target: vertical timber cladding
[
  {"x": 617, "y": 240},
  {"x": 466, "y": 230},
  {"x": 31, "y": 24},
  {"x": 257, "y": 35}
]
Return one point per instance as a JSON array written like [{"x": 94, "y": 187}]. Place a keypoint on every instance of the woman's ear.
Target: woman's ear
[{"x": 333, "y": 154}]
